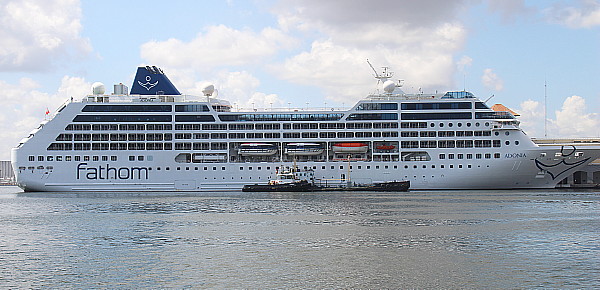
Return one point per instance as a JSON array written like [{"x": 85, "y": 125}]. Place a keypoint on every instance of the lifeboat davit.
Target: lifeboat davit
[{"x": 350, "y": 148}]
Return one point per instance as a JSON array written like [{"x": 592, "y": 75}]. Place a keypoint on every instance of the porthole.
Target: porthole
[
  {"x": 507, "y": 142},
  {"x": 496, "y": 133},
  {"x": 506, "y": 133},
  {"x": 450, "y": 125},
  {"x": 468, "y": 124},
  {"x": 516, "y": 142},
  {"x": 487, "y": 124},
  {"x": 459, "y": 124},
  {"x": 477, "y": 124},
  {"x": 441, "y": 125},
  {"x": 432, "y": 125}
]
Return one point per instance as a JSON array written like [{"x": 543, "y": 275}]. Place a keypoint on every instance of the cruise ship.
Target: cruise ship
[{"x": 154, "y": 138}]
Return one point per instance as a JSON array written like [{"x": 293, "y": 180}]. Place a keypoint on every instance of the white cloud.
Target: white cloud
[
  {"x": 416, "y": 39},
  {"x": 463, "y": 63},
  {"x": 491, "y": 80},
  {"x": 532, "y": 118},
  {"x": 418, "y": 48},
  {"x": 217, "y": 46},
  {"x": 585, "y": 15},
  {"x": 210, "y": 52},
  {"x": 36, "y": 33},
  {"x": 25, "y": 107},
  {"x": 572, "y": 120}
]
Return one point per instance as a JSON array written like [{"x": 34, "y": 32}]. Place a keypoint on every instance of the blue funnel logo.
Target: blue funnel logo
[
  {"x": 148, "y": 85},
  {"x": 150, "y": 80}
]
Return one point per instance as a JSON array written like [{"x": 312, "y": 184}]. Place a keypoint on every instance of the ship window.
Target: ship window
[
  {"x": 507, "y": 142},
  {"x": 478, "y": 156},
  {"x": 191, "y": 108},
  {"x": 86, "y": 158},
  {"x": 377, "y": 106},
  {"x": 95, "y": 158},
  {"x": 517, "y": 142},
  {"x": 488, "y": 155},
  {"x": 460, "y": 166},
  {"x": 460, "y": 156},
  {"x": 436, "y": 106},
  {"x": 49, "y": 158},
  {"x": 131, "y": 158},
  {"x": 451, "y": 165},
  {"x": 469, "y": 156},
  {"x": 122, "y": 118},
  {"x": 496, "y": 155},
  {"x": 480, "y": 105},
  {"x": 40, "y": 158},
  {"x": 127, "y": 108},
  {"x": 436, "y": 116},
  {"x": 194, "y": 118},
  {"x": 67, "y": 158},
  {"x": 450, "y": 156}
]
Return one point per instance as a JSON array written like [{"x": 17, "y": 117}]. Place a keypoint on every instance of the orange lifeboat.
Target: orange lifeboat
[
  {"x": 386, "y": 147},
  {"x": 350, "y": 147}
]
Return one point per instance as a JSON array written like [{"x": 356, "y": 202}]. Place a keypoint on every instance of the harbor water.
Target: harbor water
[{"x": 417, "y": 239}]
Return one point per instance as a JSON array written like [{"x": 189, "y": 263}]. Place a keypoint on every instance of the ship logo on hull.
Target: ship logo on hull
[
  {"x": 107, "y": 172},
  {"x": 558, "y": 168}
]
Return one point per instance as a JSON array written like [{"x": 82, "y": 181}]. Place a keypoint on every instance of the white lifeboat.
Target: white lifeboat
[
  {"x": 257, "y": 149},
  {"x": 304, "y": 149}
]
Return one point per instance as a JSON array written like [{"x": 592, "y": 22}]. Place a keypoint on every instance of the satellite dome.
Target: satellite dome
[
  {"x": 208, "y": 90},
  {"x": 98, "y": 88},
  {"x": 389, "y": 86}
]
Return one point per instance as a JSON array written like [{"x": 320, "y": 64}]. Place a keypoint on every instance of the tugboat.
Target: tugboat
[
  {"x": 296, "y": 180},
  {"x": 287, "y": 180}
]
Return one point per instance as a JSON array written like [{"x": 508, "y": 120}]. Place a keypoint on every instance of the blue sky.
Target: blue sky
[{"x": 271, "y": 53}]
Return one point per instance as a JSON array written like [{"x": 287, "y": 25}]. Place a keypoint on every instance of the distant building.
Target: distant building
[{"x": 6, "y": 172}]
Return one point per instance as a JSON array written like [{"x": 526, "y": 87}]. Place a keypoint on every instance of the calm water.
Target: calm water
[{"x": 440, "y": 239}]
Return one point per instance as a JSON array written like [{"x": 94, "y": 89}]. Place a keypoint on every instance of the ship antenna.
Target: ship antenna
[
  {"x": 384, "y": 76},
  {"x": 545, "y": 109}
]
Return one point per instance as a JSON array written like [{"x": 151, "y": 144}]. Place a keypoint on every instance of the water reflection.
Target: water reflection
[{"x": 472, "y": 239}]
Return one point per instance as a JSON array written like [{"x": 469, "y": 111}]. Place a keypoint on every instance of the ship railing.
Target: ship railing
[
  {"x": 140, "y": 98},
  {"x": 391, "y": 97}
]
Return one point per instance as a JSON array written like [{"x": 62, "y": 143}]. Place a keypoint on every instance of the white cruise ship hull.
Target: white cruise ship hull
[
  {"x": 155, "y": 139},
  {"x": 510, "y": 172}
]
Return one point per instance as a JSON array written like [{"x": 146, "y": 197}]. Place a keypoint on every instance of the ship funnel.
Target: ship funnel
[{"x": 151, "y": 80}]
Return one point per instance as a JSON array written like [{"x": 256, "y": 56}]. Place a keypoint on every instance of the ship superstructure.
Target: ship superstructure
[{"x": 156, "y": 139}]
